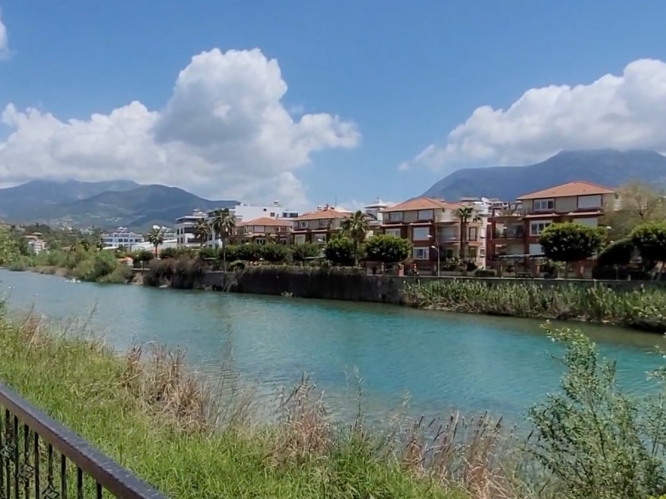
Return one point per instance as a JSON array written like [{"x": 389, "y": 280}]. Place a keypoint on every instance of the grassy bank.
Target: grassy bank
[
  {"x": 643, "y": 309},
  {"x": 87, "y": 265},
  {"x": 146, "y": 411}
]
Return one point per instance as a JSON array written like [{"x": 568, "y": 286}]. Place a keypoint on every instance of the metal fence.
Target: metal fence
[{"x": 41, "y": 459}]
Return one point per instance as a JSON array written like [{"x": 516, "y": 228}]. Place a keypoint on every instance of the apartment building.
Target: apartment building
[
  {"x": 318, "y": 226},
  {"x": 185, "y": 229},
  {"x": 433, "y": 226},
  {"x": 514, "y": 231},
  {"x": 263, "y": 230},
  {"x": 35, "y": 243},
  {"x": 122, "y": 237}
]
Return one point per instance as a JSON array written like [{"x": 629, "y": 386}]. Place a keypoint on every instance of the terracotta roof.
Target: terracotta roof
[
  {"x": 325, "y": 214},
  {"x": 267, "y": 222},
  {"x": 577, "y": 188},
  {"x": 422, "y": 204}
]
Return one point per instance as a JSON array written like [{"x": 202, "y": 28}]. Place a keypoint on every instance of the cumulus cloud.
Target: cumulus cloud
[
  {"x": 621, "y": 112},
  {"x": 224, "y": 132},
  {"x": 4, "y": 41}
]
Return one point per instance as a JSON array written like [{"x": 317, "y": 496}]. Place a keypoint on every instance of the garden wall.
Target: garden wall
[{"x": 356, "y": 285}]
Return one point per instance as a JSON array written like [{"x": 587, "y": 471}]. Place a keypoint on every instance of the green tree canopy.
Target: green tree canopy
[
  {"x": 387, "y": 249},
  {"x": 301, "y": 252},
  {"x": 341, "y": 250},
  {"x": 570, "y": 242},
  {"x": 356, "y": 228},
  {"x": 617, "y": 253},
  {"x": 650, "y": 240},
  {"x": 8, "y": 248}
]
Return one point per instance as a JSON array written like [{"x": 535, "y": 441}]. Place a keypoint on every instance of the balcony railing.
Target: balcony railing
[
  {"x": 40, "y": 458},
  {"x": 509, "y": 233}
]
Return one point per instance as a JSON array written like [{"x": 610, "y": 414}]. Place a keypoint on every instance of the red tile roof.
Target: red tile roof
[
  {"x": 422, "y": 204},
  {"x": 578, "y": 188},
  {"x": 323, "y": 214},
  {"x": 267, "y": 222}
]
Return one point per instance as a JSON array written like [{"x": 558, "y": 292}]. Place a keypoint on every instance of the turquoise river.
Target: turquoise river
[{"x": 438, "y": 361}]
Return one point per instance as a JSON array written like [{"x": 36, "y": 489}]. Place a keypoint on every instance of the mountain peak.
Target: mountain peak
[{"x": 607, "y": 167}]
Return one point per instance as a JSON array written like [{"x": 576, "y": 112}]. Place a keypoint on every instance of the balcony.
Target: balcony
[
  {"x": 509, "y": 233},
  {"x": 448, "y": 238}
]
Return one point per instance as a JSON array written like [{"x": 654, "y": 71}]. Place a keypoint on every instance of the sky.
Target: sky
[{"x": 333, "y": 101}]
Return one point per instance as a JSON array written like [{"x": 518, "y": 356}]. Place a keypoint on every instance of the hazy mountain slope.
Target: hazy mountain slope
[{"x": 606, "y": 167}]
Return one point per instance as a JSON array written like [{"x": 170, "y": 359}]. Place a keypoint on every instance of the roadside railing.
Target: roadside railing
[{"x": 41, "y": 459}]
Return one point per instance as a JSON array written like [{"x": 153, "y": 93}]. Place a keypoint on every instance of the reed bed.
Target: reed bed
[{"x": 643, "y": 309}]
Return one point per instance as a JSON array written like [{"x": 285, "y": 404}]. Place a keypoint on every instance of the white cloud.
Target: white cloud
[
  {"x": 224, "y": 132},
  {"x": 621, "y": 112},
  {"x": 4, "y": 41}
]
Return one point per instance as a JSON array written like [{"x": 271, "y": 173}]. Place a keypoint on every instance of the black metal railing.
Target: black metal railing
[{"x": 41, "y": 459}]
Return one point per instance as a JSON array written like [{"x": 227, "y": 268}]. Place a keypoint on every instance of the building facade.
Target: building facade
[
  {"x": 185, "y": 229},
  {"x": 318, "y": 226},
  {"x": 513, "y": 232},
  {"x": 263, "y": 230},
  {"x": 122, "y": 237},
  {"x": 434, "y": 228}
]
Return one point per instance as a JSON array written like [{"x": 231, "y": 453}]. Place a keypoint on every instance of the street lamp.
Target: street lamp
[{"x": 439, "y": 260}]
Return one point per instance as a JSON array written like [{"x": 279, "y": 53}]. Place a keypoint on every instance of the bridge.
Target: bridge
[{"x": 41, "y": 459}]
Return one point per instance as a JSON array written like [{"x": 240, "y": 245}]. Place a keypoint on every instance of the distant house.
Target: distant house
[
  {"x": 264, "y": 229},
  {"x": 514, "y": 232},
  {"x": 318, "y": 226}
]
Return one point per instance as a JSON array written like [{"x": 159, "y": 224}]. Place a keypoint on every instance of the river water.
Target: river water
[{"x": 438, "y": 361}]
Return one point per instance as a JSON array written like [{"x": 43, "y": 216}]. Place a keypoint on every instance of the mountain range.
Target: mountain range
[
  {"x": 606, "y": 167},
  {"x": 100, "y": 204}
]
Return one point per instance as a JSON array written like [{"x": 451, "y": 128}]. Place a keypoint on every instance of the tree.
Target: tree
[
  {"x": 387, "y": 249},
  {"x": 301, "y": 252},
  {"x": 223, "y": 225},
  {"x": 275, "y": 253},
  {"x": 650, "y": 240},
  {"x": 356, "y": 228},
  {"x": 570, "y": 242},
  {"x": 8, "y": 249},
  {"x": 201, "y": 231},
  {"x": 638, "y": 203},
  {"x": 340, "y": 250},
  {"x": 465, "y": 215},
  {"x": 156, "y": 237},
  {"x": 617, "y": 253}
]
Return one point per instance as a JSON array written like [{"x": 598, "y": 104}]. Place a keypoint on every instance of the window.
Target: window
[
  {"x": 302, "y": 224},
  {"x": 482, "y": 251},
  {"x": 426, "y": 214},
  {"x": 393, "y": 232},
  {"x": 320, "y": 239},
  {"x": 544, "y": 204},
  {"x": 259, "y": 228},
  {"x": 421, "y": 253},
  {"x": 272, "y": 214},
  {"x": 299, "y": 239},
  {"x": 587, "y": 222},
  {"x": 471, "y": 252},
  {"x": 535, "y": 249},
  {"x": 421, "y": 233},
  {"x": 448, "y": 253},
  {"x": 260, "y": 240},
  {"x": 537, "y": 227},
  {"x": 395, "y": 216},
  {"x": 323, "y": 224},
  {"x": 472, "y": 234},
  {"x": 589, "y": 201}
]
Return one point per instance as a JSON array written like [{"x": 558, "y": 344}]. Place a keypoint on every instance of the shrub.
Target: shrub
[
  {"x": 340, "y": 251},
  {"x": 570, "y": 242},
  {"x": 274, "y": 253},
  {"x": 96, "y": 266},
  {"x": 209, "y": 253},
  {"x": 237, "y": 265},
  {"x": 485, "y": 273},
  {"x": 302, "y": 252},
  {"x": 387, "y": 249},
  {"x": 650, "y": 240},
  {"x": 169, "y": 253},
  {"x": 617, "y": 253},
  {"x": 590, "y": 435}
]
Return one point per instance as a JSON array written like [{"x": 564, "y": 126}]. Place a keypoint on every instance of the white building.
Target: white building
[
  {"x": 241, "y": 212},
  {"x": 35, "y": 243},
  {"x": 373, "y": 212},
  {"x": 122, "y": 237},
  {"x": 185, "y": 228}
]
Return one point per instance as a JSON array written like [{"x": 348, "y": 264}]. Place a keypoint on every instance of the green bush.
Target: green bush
[
  {"x": 274, "y": 253},
  {"x": 616, "y": 253},
  {"x": 485, "y": 273},
  {"x": 303, "y": 252},
  {"x": 387, "y": 249},
  {"x": 340, "y": 251}
]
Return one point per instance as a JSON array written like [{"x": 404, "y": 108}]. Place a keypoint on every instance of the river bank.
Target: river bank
[{"x": 189, "y": 444}]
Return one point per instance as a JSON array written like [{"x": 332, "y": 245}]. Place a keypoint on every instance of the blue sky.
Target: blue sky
[{"x": 400, "y": 77}]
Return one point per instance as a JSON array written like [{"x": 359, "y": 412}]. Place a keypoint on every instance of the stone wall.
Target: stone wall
[{"x": 345, "y": 284}]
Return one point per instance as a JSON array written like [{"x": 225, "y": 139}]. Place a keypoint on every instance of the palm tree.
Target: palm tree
[
  {"x": 356, "y": 227},
  {"x": 201, "y": 231},
  {"x": 223, "y": 225},
  {"x": 155, "y": 237},
  {"x": 466, "y": 215}
]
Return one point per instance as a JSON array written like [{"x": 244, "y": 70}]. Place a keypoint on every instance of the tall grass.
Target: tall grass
[
  {"x": 146, "y": 411},
  {"x": 640, "y": 309}
]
